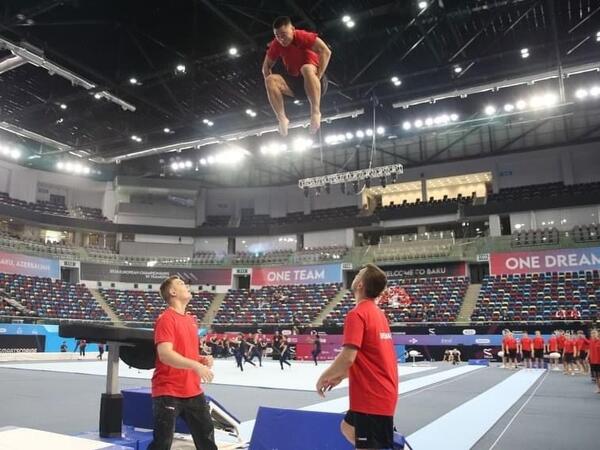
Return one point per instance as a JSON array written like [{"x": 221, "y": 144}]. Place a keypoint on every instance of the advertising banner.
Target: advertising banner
[
  {"x": 449, "y": 269},
  {"x": 29, "y": 265},
  {"x": 279, "y": 276},
  {"x": 149, "y": 275},
  {"x": 22, "y": 343},
  {"x": 561, "y": 260}
]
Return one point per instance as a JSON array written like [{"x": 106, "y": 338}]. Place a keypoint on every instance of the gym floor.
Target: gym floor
[{"x": 555, "y": 412}]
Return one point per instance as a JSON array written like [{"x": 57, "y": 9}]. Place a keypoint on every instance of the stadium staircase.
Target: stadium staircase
[
  {"x": 469, "y": 302},
  {"x": 114, "y": 318},
  {"x": 15, "y": 304},
  {"x": 213, "y": 309},
  {"x": 328, "y": 308}
]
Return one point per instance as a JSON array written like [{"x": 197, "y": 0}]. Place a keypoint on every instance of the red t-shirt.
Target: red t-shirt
[
  {"x": 561, "y": 341},
  {"x": 182, "y": 331},
  {"x": 583, "y": 344},
  {"x": 510, "y": 343},
  {"x": 526, "y": 344},
  {"x": 594, "y": 352},
  {"x": 569, "y": 346},
  {"x": 297, "y": 53},
  {"x": 553, "y": 343},
  {"x": 538, "y": 343},
  {"x": 374, "y": 375}
]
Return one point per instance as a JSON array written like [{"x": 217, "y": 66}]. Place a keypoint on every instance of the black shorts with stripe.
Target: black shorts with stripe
[{"x": 371, "y": 430}]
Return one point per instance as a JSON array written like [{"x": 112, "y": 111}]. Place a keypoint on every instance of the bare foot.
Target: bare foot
[
  {"x": 315, "y": 122},
  {"x": 283, "y": 125}
]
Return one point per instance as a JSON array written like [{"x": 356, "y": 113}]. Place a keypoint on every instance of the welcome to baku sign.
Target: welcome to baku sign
[
  {"x": 279, "y": 276},
  {"x": 563, "y": 260}
]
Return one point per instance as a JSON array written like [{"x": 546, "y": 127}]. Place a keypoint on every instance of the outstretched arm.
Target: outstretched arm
[{"x": 324, "y": 53}]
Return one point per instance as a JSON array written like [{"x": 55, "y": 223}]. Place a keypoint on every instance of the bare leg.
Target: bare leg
[
  {"x": 312, "y": 86},
  {"x": 348, "y": 432},
  {"x": 276, "y": 89}
]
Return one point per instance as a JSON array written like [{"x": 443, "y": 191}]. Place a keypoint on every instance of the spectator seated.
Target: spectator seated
[
  {"x": 276, "y": 304},
  {"x": 146, "y": 306},
  {"x": 537, "y": 297},
  {"x": 52, "y": 298}
]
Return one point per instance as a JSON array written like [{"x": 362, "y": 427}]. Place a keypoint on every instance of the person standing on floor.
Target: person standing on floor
[
  {"x": 509, "y": 346},
  {"x": 552, "y": 347},
  {"x": 316, "y": 351},
  {"x": 368, "y": 359},
  {"x": 538, "y": 349},
  {"x": 583, "y": 346},
  {"x": 525, "y": 349},
  {"x": 256, "y": 351},
  {"x": 100, "y": 351},
  {"x": 594, "y": 357},
  {"x": 176, "y": 383},
  {"x": 82, "y": 346},
  {"x": 284, "y": 352},
  {"x": 569, "y": 354}
]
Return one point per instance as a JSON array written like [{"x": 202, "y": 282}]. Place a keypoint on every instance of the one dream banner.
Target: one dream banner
[{"x": 563, "y": 260}]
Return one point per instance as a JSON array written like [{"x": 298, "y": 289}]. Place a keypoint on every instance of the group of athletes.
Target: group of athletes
[
  {"x": 577, "y": 353},
  {"x": 246, "y": 348}
]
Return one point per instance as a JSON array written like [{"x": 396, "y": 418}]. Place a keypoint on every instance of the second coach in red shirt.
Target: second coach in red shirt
[{"x": 368, "y": 358}]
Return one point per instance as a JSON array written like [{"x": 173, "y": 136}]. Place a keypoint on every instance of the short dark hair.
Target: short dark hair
[
  {"x": 165, "y": 286},
  {"x": 374, "y": 280},
  {"x": 281, "y": 21}
]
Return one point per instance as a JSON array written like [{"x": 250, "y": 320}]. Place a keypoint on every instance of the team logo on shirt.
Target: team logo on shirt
[{"x": 385, "y": 336}]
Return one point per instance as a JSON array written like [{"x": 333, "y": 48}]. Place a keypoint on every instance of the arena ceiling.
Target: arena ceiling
[{"x": 179, "y": 54}]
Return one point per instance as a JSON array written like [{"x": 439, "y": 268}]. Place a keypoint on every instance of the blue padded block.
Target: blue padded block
[
  {"x": 479, "y": 362},
  {"x": 291, "y": 429},
  {"x": 297, "y": 430}
]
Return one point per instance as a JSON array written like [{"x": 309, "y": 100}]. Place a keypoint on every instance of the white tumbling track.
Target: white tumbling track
[{"x": 301, "y": 376}]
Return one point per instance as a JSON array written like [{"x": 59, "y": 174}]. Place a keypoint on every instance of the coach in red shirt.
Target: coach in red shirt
[
  {"x": 305, "y": 57},
  {"x": 368, "y": 358},
  {"x": 179, "y": 368},
  {"x": 594, "y": 357}
]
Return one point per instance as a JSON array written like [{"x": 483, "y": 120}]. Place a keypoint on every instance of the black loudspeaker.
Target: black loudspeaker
[{"x": 111, "y": 415}]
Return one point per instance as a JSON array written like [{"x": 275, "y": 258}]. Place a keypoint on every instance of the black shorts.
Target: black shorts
[
  {"x": 538, "y": 353},
  {"x": 526, "y": 354},
  {"x": 512, "y": 354},
  {"x": 568, "y": 358},
  {"x": 582, "y": 355},
  {"x": 296, "y": 84},
  {"x": 595, "y": 370},
  {"x": 371, "y": 430}
]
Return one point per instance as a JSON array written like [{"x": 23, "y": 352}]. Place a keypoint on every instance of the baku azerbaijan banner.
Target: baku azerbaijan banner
[
  {"x": 149, "y": 275},
  {"x": 279, "y": 276},
  {"x": 448, "y": 269},
  {"x": 29, "y": 265},
  {"x": 561, "y": 260}
]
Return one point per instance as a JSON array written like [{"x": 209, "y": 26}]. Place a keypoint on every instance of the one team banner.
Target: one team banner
[
  {"x": 146, "y": 275},
  {"x": 29, "y": 265},
  {"x": 563, "y": 260},
  {"x": 279, "y": 276},
  {"x": 449, "y": 269}
]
